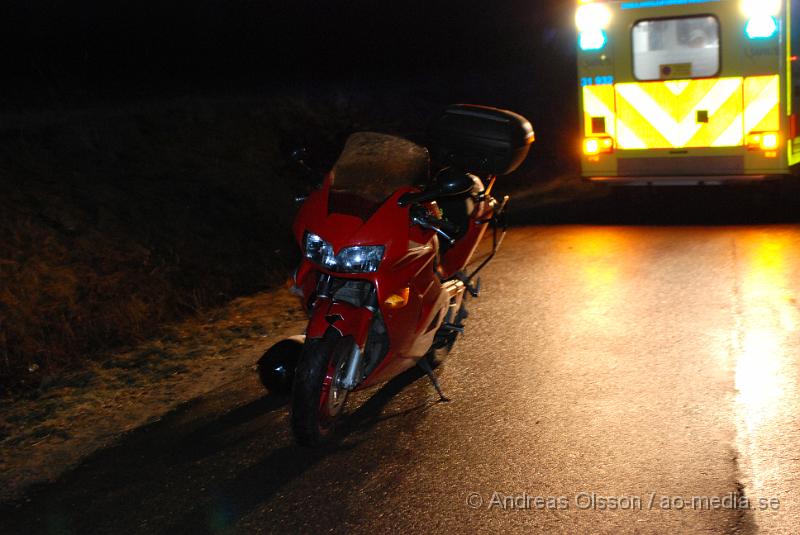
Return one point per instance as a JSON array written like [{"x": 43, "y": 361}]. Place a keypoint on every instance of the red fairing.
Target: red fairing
[
  {"x": 410, "y": 260},
  {"x": 411, "y": 266},
  {"x": 344, "y": 317},
  {"x": 459, "y": 255}
]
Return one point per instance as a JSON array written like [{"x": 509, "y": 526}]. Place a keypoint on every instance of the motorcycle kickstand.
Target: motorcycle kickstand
[
  {"x": 426, "y": 367},
  {"x": 473, "y": 289}
]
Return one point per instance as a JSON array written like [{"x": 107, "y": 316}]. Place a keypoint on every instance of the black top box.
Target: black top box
[{"x": 480, "y": 139}]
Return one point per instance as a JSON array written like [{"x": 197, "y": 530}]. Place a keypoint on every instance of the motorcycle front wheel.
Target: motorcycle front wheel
[{"x": 317, "y": 400}]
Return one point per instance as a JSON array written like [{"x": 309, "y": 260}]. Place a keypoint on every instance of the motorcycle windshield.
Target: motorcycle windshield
[{"x": 372, "y": 167}]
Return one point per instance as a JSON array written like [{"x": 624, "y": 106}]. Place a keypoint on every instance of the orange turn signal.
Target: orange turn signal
[
  {"x": 767, "y": 141},
  {"x": 398, "y": 300},
  {"x": 596, "y": 145}
]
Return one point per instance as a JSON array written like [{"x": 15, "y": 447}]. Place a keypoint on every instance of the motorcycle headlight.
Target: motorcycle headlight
[
  {"x": 357, "y": 259},
  {"x": 360, "y": 259},
  {"x": 319, "y": 251}
]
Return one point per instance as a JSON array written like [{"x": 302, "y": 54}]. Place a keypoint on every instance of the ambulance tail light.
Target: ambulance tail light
[
  {"x": 592, "y": 146},
  {"x": 766, "y": 141}
]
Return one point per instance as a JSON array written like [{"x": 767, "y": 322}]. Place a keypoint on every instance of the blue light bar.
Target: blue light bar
[
  {"x": 761, "y": 27},
  {"x": 592, "y": 40},
  {"x": 662, "y": 3}
]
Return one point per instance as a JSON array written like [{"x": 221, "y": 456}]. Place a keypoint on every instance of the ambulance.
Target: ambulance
[{"x": 681, "y": 91}]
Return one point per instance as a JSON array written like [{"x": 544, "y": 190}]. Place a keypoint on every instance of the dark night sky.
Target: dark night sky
[{"x": 106, "y": 47}]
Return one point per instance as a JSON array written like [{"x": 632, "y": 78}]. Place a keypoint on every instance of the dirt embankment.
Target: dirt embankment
[
  {"x": 43, "y": 437},
  {"x": 114, "y": 221}
]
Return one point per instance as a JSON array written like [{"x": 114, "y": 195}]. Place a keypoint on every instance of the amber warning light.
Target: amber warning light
[
  {"x": 593, "y": 146},
  {"x": 762, "y": 140}
]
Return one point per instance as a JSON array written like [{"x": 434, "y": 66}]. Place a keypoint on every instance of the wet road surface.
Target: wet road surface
[{"x": 631, "y": 377}]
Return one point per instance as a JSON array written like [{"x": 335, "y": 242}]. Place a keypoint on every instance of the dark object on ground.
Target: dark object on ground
[{"x": 276, "y": 367}]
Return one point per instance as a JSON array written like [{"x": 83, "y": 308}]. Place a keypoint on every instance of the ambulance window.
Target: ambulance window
[{"x": 686, "y": 47}]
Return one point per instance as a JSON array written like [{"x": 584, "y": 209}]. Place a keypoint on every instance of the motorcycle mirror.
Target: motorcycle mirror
[
  {"x": 449, "y": 182},
  {"x": 300, "y": 155}
]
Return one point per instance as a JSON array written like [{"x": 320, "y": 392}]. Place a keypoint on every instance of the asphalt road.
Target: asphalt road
[{"x": 637, "y": 379}]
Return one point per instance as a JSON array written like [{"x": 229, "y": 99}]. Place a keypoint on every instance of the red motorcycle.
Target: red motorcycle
[{"x": 385, "y": 256}]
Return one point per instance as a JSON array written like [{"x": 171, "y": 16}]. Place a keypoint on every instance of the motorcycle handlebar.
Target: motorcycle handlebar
[
  {"x": 417, "y": 197},
  {"x": 422, "y": 217}
]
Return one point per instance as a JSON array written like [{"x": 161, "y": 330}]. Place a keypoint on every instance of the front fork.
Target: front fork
[{"x": 348, "y": 321}]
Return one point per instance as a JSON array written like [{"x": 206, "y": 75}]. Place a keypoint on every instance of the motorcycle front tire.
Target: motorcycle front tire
[{"x": 317, "y": 405}]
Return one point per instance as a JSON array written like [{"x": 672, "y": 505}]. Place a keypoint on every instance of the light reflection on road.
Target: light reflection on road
[
  {"x": 603, "y": 259},
  {"x": 759, "y": 377},
  {"x": 767, "y": 320}
]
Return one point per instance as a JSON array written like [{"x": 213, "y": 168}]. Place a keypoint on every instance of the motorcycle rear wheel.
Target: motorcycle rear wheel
[{"x": 317, "y": 403}]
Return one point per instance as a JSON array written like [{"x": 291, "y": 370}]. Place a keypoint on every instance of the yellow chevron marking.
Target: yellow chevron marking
[
  {"x": 637, "y": 126},
  {"x": 594, "y": 106},
  {"x": 762, "y": 112},
  {"x": 627, "y": 139},
  {"x": 650, "y": 110},
  {"x": 719, "y": 94},
  {"x": 733, "y": 136},
  {"x": 664, "y": 114},
  {"x": 677, "y": 87},
  {"x": 677, "y": 133},
  {"x": 728, "y": 118}
]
